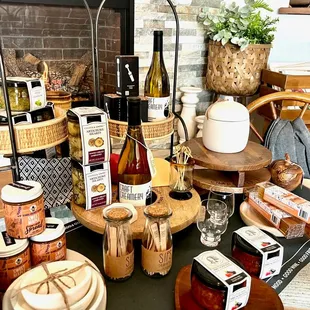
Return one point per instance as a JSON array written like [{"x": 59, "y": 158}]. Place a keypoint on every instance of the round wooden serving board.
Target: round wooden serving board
[
  {"x": 184, "y": 213},
  {"x": 253, "y": 157},
  {"x": 227, "y": 182},
  {"x": 262, "y": 295}
]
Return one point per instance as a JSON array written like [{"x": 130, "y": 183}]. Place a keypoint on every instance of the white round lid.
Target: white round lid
[
  {"x": 54, "y": 229},
  {"x": 228, "y": 111},
  {"x": 21, "y": 191},
  {"x": 10, "y": 246}
]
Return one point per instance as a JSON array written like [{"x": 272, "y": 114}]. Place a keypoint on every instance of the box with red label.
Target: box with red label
[
  {"x": 91, "y": 185},
  {"x": 260, "y": 254},
  {"x": 219, "y": 283},
  {"x": 88, "y": 133},
  {"x": 290, "y": 226},
  {"x": 285, "y": 200}
]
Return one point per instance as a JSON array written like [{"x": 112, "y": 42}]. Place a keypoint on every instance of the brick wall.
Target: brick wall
[{"x": 60, "y": 36}]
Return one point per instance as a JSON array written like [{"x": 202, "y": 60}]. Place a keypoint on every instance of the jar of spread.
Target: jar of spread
[
  {"x": 118, "y": 251},
  {"x": 23, "y": 209},
  {"x": 14, "y": 259},
  {"x": 157, "y": 241},
  {"x": 247, "y": 255},
  {"x": 51, "y": 245},
  {"x": 219, "y": 283}
]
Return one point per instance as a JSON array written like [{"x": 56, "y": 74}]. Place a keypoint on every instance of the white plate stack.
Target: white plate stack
[{"x": 87, "y": 291}]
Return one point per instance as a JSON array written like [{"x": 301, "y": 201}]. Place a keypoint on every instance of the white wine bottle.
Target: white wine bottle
[
  {"x": 157, "y": 86},
  {"x": 134, "y": 174}
]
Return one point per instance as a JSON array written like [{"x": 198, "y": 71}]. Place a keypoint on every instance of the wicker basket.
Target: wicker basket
[
  {"x": 38, "y": 136},
  {"x": 61, "y": 99},
  {"x": 151, "y": 130},
  {"x": 235, "y": 72}
]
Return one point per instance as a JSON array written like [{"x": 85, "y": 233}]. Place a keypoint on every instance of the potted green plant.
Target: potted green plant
[{"x": 239, "y": 46}]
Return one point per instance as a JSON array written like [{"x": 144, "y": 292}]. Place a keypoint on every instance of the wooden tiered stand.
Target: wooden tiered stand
[
  {"x": 184, "y": 213},
  {"x": 230, "y": 173}
]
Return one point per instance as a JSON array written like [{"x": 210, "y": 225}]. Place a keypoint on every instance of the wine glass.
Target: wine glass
[
  {"x": 212, "y": 221},
  {"x": 228, "y": 198}
]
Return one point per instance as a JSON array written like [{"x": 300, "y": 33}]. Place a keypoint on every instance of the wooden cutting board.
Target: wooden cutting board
[{"x": 262, "y": 296}]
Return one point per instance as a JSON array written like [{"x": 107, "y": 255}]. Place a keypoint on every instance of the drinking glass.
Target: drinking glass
[
  {"x": 212, "y": 221},
  {"x": 228, "y": 198}
]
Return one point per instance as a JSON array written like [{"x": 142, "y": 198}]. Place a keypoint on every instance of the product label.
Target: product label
[
  {"x": 157, "y": 106},
  {"x": 7, "y": 239},
  {"x": 25, "y": 221},
  {"x": 272, "y": 251},
  {"x": 94, "y": 133},
  {"x": 21, "y": 186},
  {"x": 135, "y": 194},
  {"x": 12, "y": 267},
  {"x": 51, "y": 226},
  {"x": 97, "y": 186},
  {"x": 37, "y": 98},
  {"x": 287, "y": 201},
  {"x": 274, "y": 215},
  {"x": 156, "y": 262},
  {"x": 119, "y": 267},
  {"x": 51, "y": 251},
  {"x": 237, "y": 281}
]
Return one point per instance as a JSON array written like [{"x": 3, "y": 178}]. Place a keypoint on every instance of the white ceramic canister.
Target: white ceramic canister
[
  {"x": 51, "y": 245},
  {"x": 226, "y": 127},
  {"x": 14, "y": 259},
  {"x": 23, "y": 209}
]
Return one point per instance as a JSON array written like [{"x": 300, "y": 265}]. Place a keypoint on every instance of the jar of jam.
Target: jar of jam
[
  {"x": 50, "y": 246},
  {"x": 206, "y": 289},
  {"x": 157, "y": 241},
  {"x": 23, "y": 209},
  {"x": 14, "y": 259},
  {"x": 247, "y": 255},
  {"x": 118, "y": 251}
]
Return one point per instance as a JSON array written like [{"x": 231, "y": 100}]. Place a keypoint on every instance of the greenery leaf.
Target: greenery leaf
[{"x": 242, "y": 25}]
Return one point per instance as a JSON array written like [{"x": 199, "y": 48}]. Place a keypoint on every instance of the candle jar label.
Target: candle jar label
[
  {"x": 119, "y": 267},
  {"x": 156, "y": 262},
  {"x": 26, "y": 220}
]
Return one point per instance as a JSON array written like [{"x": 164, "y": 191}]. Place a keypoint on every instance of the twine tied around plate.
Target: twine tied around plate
[{"x": 52, "y": 277}]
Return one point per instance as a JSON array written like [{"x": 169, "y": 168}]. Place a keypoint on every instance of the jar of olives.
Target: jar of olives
[{"x": 18, "y": 96}]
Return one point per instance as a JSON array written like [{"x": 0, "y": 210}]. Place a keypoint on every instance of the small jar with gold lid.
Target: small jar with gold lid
[
  {"x": 118, "y": 251},
  {"x": 157, "y": 241}
]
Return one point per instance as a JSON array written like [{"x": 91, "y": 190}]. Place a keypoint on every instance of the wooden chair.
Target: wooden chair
[{"x": 300, "y": 99}]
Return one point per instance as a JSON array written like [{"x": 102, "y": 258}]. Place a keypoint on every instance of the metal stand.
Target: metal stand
[
  {"x": 96, "y": 72},
  {"x": 14, "y": 159}
]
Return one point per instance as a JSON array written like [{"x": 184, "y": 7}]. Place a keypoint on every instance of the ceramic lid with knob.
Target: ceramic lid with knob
[{"x": 228, "y": 111}]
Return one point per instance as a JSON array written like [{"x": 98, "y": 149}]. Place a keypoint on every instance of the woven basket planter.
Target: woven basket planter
[
  {"x": 60, "y": 99},
  {"x": 235, "y": 72},
  {"x": 151, "y": 130}
]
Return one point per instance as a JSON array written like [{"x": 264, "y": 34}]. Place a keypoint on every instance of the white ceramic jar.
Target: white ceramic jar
[{"x": 226, "y": 127}]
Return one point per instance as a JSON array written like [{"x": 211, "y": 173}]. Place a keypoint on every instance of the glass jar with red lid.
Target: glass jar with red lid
[{"x": 247, "y": 255}]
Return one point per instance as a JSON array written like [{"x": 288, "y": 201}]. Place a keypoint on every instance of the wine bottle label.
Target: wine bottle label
[
  {"x": 135, "y": 194},
  {"x": 157, "y": 107}
]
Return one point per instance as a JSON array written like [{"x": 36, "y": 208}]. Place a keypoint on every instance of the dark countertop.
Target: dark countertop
[{"x": 141, "y": 292}]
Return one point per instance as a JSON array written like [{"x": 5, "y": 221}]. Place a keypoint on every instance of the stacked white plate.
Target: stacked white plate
[{"x": 96, "y": 294}]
